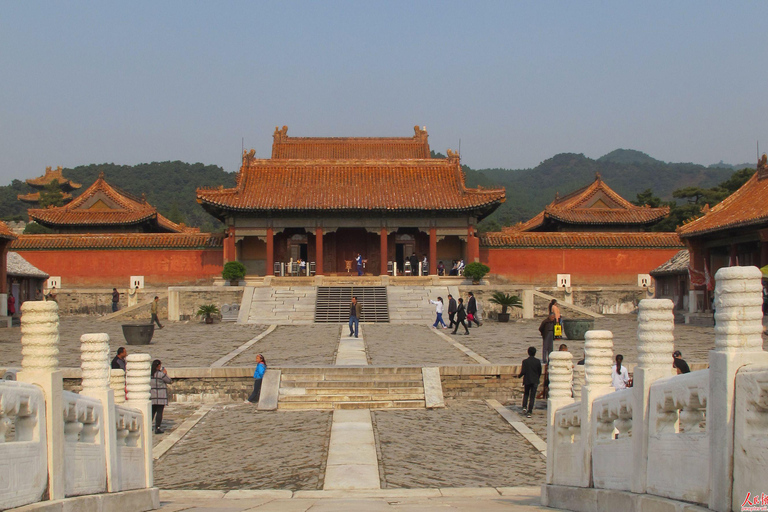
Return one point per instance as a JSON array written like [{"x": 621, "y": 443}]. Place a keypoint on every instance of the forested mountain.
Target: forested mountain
[
  {"x": 628, "y": 172},
  {"x": 170, "y": 186}
]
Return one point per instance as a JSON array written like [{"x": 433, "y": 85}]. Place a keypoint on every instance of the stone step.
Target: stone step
[
  {"x": 382, "y": 404},
  {"x": 326, "y": 384},
  {"x": 358, "y": 390},
  {"x": 350, "y": 380},
  {"x": 351, "y": 398},
  {"x": 352, "y": 370}
]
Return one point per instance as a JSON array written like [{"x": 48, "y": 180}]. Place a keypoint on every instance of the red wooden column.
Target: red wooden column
[
  {"x": 433, "y": 250},
  {"x": 230, "y": 253},
  {"x": 270, "y": 252},
  {"x": 476, "y": 247},
  {"x": 4, "y": 270},
  {"x": 470, "y": 245},
  {"x": 384, "y": 252},
  {"x": 319, "y": 251}
]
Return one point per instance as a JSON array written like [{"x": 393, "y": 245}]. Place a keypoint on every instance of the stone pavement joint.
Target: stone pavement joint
[
  {"x": 517, "y": 423},
  {"x": 480, "y": 359},
  {"x": 352, "y": 460},
  {"x": 469, "y": 499},
  {"x": 351, "y": 351},
  {"x": 242, "y": 348},
  {"x": 176, "y": 436}
]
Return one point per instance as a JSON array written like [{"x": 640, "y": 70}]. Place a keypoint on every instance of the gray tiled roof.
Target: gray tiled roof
[
  {"x": 677, "y": 264},
  {"x": 18, "y": 266}
]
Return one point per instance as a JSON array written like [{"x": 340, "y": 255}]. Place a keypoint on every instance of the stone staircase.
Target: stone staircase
[
  {"x": 281, "y": 305},
  {"x": 333, "y": 302},
  {"x": 410, "y": 304},
  {"x": 351, "y": 388}
]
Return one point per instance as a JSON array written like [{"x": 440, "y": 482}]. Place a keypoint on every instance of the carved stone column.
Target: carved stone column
[
  {"x": 117, "y": 384},
  {"x": 656, "y": 342},
  {"x": 560, "y": 374},
  {"x": 138, "y": 386},
  {"x": 94, "y": 352},
  {"x": 40, "y": 366},
  {"x": 738, "y": 343}
]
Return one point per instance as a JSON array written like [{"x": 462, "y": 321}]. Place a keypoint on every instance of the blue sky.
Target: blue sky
[{"x": 132, "y": 82}]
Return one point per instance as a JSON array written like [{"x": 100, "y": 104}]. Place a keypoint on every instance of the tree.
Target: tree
[
  {"x": 51, "y": 195},
  {"x": 33, "y": 228},
  {"x": 646, "y": 197},
  {"x": 174, "y": 214}
]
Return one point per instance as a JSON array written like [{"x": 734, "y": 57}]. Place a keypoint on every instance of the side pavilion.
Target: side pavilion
[{"x": 325, "y": 200}]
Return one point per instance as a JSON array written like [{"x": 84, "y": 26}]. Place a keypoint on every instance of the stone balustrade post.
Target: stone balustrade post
[
  {"x": 137, "y": 380},
  {"x": 40, "y": 366},
  {"x": 560, "y": 391},
  {"x": 598, "y": 361},
  {"x": 738, "y": 342},
  {"x": 117, "y": 384},
  {"x": 94, "y": 353},
  {"x": 656, "y": 342}
]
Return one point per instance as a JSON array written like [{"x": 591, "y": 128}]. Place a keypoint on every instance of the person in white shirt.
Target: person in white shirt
[
  {"x": 439, "y": 310},
  {"x": 619, "y": 374}
]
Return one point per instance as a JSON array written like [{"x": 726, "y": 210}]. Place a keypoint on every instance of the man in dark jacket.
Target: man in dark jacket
[
  {"x": 118, "y": 363},
  {"x": 115, "y": 299},
  {"x": 355, "y": 310},
  {"x": 547, "y": 330},
  {"x": 452, "y": 307},
  {"x": 531, "y": 373},
  {"x": 461, "y": 314},
  {"x": 414, "y": 264},
  {"x": 472, "y": 310}
]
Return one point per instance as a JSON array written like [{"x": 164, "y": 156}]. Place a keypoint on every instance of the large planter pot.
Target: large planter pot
[
  {"x": 575, "y": 329},
  {"x": 138, "y": 334},
  {"x": 503, "y": 317}
]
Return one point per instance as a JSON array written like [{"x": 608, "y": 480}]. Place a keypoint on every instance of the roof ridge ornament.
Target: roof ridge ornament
[
  {"x": 249, "y": 156},
  {"x": 280, "y": 134},
  {"x": 453, "y": 156},
  {"x": 762, "y": 167},
  {"x": 101, "y": 175},
  {"x": 597, "y": 176}
]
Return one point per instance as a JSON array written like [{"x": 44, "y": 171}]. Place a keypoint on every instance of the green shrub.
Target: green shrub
[
  {"x": 506, "y": 300},
  {"x": 233, "y": 271},
  {"x": 476, "y": 271}
]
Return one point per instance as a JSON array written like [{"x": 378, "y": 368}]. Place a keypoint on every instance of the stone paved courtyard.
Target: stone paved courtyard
[
  {"x": 290, "y": 345},
  {"x": 402, "y": 345},
  {"x": 234, "y": 447}
]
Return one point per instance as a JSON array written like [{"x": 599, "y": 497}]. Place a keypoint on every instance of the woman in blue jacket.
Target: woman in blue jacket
[{"x": 258, "y": 375}]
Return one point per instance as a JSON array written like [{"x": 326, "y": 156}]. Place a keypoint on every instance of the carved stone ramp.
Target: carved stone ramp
[
  {"x": 163, "y": 299},
  {"x": 565, "y": 305}
]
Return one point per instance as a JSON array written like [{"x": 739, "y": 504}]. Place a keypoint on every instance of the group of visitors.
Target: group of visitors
[
  {"x": 458, "y": 313},
  {"x": 159, "y": 380}
]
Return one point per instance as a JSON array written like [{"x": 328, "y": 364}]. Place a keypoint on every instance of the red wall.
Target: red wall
[
  {"x": 108, "y": 268},
  {"x": 586, "y": 266}
]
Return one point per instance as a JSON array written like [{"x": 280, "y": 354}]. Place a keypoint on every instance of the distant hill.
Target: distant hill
[
  {"x": 530, "y": 190},
  {"x": 170, "y": 186},
  {"x": 628, "y": 157}
]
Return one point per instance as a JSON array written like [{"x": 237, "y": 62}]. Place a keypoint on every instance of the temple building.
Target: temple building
[
  {"x": 592, "y": 236},
  {"x": 734, "y": 232},
  {"x": 103, "y": 208},
  {"x": 65, "y": 185},
  {"x": 326, "y": 200},
  {"x": 595, "y": 207}
]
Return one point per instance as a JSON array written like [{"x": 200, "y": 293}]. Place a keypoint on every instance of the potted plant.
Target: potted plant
[
  {"x": 476, "y": 271},
  {"x": 505, "y": 300},
  {"x": 233, "y": 272},
  {"x": 207, "y": 310}
]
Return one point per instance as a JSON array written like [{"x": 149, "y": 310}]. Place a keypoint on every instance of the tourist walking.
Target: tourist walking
[
  {"x": 359, "y": 261},
  {"x": 51, "y": 294},
  {"x": 414, "y": 260},
  {"x": 115, "y": 299},
  {"x": 619, "y": 374},
  {"x": 555, "y": 310},
  {"x": 439, "y": 311},
  {"x": 258, "y": 376},
  {"x": 461, "y": 315},
  {"x": 530, "y": 371},
  {"x": 158, "y": 393},
  {"x": 547, "y": 330},
  {"x": 452, "y": 307},
  {"x": 118, "y": 363},
  {"x": 133, "y": 296},
  {"x": 153, "y": 310},
  {"x": 355, "y": 310},
  {"x": 472, "y": 311},
  {"x": 679, "y": 364}
]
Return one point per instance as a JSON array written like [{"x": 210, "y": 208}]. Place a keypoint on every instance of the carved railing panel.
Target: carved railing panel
[
  {"x": 130, "y": 447},
  {"x": 612, "y": 462},
  {"x": 569, "y": 448},
  {"x": 84, "y": 452},
  {"x": 678, "y": 441},
  {"x": 750, "y": 454},
  {"x": 23, "y": 451}
]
